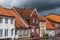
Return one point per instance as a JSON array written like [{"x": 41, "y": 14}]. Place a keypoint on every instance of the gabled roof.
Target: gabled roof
[
  {"x": 53, "y": 17},
  {"x": 9, "y": 12},
  {"x": 24, "y": 12}
]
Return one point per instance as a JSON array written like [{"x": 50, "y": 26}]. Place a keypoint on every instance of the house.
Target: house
[
  {"x": 30, "y": 17},
  {"x": 15, "y": 26},
  {"x": 50, "y": 29},
  {"x": 55, "y": 21},
  {"x": 42, "y": 25},
  {"x": 7, "y": 24},
  {"x": 46, "y": 27}
]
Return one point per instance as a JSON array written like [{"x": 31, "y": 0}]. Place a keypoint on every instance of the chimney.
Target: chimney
[{"x": 25, "y": 7}]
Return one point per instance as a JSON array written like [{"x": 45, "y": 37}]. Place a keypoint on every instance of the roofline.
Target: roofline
[
  {"x": 20, "y": 17},
  {"x": 7, "y": 16},
  {"x": 51, "y": 14}
]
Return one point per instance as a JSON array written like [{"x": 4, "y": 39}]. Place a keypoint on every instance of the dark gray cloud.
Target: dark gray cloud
[{"x": 43, "y": 6}]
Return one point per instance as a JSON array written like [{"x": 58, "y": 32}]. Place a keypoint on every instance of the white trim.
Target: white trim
[
  {"x": 33, "y": 12},
  {"x": 20, "y": 17}
]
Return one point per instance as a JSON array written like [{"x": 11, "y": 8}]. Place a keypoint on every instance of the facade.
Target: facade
[{"x": 7, "y": 27}]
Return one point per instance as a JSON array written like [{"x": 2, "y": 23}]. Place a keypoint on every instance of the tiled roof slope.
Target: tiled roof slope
[
  {"x": 24, "y": 12},
  {"x": 49, "y": 25},
  {"x": 53, "y": 17},
  {"x": 9, "y": 12}
]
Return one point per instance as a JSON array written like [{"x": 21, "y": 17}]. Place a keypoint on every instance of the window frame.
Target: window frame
[
  {"x": 11, "y": 21},
  {"x": 1, "y": 20},
  {"x": 1, "y": 31},
  {"x": 33, "y": 20},
  {"x": 6, "y": 20},
  {"x": 6, "y": 32}
]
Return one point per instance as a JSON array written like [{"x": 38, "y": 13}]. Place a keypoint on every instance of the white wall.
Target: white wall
[
  {"x": 8, "y": 26},
  {"x": 50, "y": 32}
]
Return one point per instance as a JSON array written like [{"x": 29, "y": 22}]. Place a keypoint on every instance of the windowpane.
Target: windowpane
[
  {"x": 1, "y": 20},
  {"x": 36, "y": 21},
  {"x": 33, "y": 20},
  {"x": 11, "y": 21},
  {"x": 32, "y": 31},
  {"x": 37, "y": 31},
  {"x": 20, "y": 31},
  {"x": 6, "y": 32},
  {"x": 6, "y": 20},
  {"x": 12, "y": 32},
  {"x": 1, "y": 32}
]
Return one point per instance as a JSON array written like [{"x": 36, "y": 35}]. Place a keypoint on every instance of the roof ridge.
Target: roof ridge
[{"x": 52, "y": 14}]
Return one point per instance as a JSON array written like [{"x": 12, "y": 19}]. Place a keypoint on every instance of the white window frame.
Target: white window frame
[
  {"x": 12, "y": 31},
  {"x": 11, "y": 21},
  {"x": 6, "y": 32},
  {"x": 6, "y": 20}
]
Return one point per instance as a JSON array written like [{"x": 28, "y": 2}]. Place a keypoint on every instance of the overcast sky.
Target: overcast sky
[{"x": 44, "y": 7}]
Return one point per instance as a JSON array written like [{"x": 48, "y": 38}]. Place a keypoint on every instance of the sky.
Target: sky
[{"x": 44, "y": 7}]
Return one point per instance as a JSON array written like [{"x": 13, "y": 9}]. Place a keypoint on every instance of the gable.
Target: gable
[{"x": 34, "y": 13}]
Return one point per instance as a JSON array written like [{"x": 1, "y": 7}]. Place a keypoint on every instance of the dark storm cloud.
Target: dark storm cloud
[{"x": 42, "y": 5}]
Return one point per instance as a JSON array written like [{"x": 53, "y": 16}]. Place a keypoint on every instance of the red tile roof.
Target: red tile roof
[
  {"x": 24, "y": 12},
  {"x": 10, "y": 12},
  {"x": 49, "y": 25},
  {"x": 53, "y": 17}
]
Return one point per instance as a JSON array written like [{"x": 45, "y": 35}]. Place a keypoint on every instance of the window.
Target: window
[
  {"x": 6, "y": 32},
  {"x": 1, "y": 32},
  {"x": 23, "y": 31},
  {"x": 36, "y": 21},
  {"x": 6, "y": 20},
  {"x": 12, "y": 31},
  {"x": 42, "y": 24},
  {"x": 11, "y": 21},
  {"x": 1, "y": 20},
  {"x": 32, "y": 31},
  {"x": 33, "y": 20},
  {"x": 20, "y": 32},
  {"x": 37, "y": 31}
]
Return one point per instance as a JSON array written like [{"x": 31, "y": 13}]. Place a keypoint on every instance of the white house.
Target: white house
[
  {"x": 7, "y": 24},
  {"x": 7, "y": 27},
  {"x": 42, "y": 25}
]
